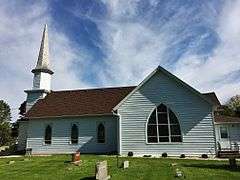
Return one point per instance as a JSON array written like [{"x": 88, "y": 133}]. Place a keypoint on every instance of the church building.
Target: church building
[{"x": 161, "y": 114}]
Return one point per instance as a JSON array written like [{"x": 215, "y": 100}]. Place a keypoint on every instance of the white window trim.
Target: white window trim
[{"x": 220, "y": 134}]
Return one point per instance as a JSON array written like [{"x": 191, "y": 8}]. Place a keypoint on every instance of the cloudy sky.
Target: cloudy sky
[{"x": 95, "y": 43}]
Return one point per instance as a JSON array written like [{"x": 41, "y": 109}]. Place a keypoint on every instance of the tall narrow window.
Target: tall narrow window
[
  {"x": 163, "y": 126},
  {"x": 101, "y": 133},
  {"x": 223, "y": 132},
  {"x": 48, "y": 135},
  {"x": 74, "y": 134}
]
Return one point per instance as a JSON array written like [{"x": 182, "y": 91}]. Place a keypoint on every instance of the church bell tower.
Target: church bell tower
[{"x": 42, "y": 74}]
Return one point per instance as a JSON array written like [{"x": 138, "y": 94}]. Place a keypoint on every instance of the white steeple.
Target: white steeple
[{"x": 42, "y": 72}]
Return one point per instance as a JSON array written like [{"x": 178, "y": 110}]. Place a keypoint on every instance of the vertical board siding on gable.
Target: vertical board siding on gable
[
  {"x": 61, "y": 135},
  {"x": 194, "y": 115}
]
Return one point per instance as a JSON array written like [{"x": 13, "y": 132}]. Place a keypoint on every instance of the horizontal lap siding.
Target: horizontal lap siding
[
  {"x": 61, "y": 135},
  {"x": 194, "y": 114},
  {"x": 22, "y": 135}
]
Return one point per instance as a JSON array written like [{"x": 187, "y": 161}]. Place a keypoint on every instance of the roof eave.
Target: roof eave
[{"x": 69, "y": 116}]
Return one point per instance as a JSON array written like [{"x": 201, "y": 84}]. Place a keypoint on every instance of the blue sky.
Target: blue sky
[{"x": 95, "y": 43}]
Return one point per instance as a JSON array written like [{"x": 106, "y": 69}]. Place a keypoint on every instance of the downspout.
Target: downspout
[{"x": 119, "y": 132}]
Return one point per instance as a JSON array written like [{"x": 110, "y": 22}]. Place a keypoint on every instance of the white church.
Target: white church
[{"x": 161, "y": 114}]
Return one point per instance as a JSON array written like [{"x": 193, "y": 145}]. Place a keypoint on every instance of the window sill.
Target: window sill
[{"x": 165, "y": 143}]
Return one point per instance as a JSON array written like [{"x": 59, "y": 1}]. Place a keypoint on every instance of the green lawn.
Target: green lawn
[{"x": 58, "y": 167}]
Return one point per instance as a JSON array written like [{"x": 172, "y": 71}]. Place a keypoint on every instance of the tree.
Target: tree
[
  {"x": 5, "y": 112},
  {"x": 232, "y": 108},
  {"x": 5, "y": 126}
]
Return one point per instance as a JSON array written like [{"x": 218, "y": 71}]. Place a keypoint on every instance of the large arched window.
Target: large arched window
[
  {"x": 163, "y": 126},
  {"x": 48, "y": 135},
  {"x": 101, "y": 133},
  {"x": 74, "y": 134}
]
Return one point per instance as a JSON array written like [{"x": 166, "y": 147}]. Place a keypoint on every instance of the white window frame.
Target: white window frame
[
  {"x": 221, "y": 133},
  {"x": 169, "y": 127}
]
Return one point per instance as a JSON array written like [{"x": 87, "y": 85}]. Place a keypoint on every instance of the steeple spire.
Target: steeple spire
[{"x": 43, "y": 64}]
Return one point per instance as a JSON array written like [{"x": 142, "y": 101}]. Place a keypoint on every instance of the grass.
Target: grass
[{"x": 59, "y": 167}]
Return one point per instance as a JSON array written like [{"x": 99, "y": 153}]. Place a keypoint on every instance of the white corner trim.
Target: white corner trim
[{"x": 120, "y": 134}]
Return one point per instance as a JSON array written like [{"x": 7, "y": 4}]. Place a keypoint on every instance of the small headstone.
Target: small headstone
[
  {"x": 76, "y": 158},
  {"x": 178, "y": 173},
  {"x": 101, "y": 171},
  {"x": 125, "y": 164},
  {"x": 11, "y": 162}
]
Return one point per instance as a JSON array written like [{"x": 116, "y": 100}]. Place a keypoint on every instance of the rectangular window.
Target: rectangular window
[{"x": 223, "y": 132}]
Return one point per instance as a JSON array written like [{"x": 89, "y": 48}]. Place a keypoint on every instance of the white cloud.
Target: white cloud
[
  {"x": 20, "y": 36},
  {"x": 211, "y": 73},
  {"x": 134, "y": 48},
  {"x": 132, "y": 52}
]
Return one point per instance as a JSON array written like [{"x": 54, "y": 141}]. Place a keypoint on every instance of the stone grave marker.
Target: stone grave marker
[
  {"x": 179, "y": 173},
  {"x": 76, "y": 158},
  {"x": 125, "y": 164},
  {"x": 101, "y": 171}
]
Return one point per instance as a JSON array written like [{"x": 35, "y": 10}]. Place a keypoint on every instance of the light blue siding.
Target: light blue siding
[
  {"x": 61, "y": 135},
  {"x": 22, "y": 135},
  {"x": 193, "y": 112}
]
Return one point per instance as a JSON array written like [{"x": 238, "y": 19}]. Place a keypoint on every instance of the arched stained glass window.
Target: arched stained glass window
[
  {"x": 74, "y": 134},
  {"x": 48, "y": 135},
  {"x": 101, "y": 133},
  {"x": 163, "y": 126}
]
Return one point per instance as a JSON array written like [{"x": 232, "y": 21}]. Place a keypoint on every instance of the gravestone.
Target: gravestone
[
  {"x": 178, "y": 173},
  {"x": 76, "y": 158},
  {"x": 125, "y": 164},
  {"x": 101, "y": 171}
]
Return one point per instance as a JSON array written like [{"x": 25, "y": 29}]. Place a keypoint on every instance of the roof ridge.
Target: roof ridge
[
  {"x": 99, "y": 88},
  {"x": 208, "y": 92}
]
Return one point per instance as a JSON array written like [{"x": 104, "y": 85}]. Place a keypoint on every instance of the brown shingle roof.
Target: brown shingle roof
[
  {"x": 226, "y": 119},
  {"x": 85, "y": 102},
  {"x": 79, "y": 102}
]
